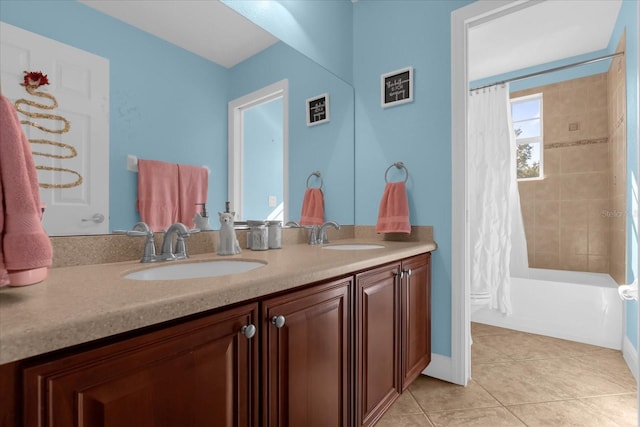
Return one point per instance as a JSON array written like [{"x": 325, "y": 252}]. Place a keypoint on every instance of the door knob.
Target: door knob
[
  {"x": 278, "y": 321},
  {"x": 97, "y": 218},
  {"x": 248, "y": 330}
]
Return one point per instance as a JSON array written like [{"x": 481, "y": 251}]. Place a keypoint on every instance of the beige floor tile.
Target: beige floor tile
[
  {"x": 406, "y": 404},
  {"x": 479, "y": 329},
  {"x": 611, "y": 365},
  {"x": 409, "y": 420},
  {"x": 564, "y": 413},
  {"x": 621, "y": 408},
  {"x": 520, "y": 382},
  {"x": 587, "y": 376},
  {"x": 486, "y": 353},
  {"x": 434, "y": 395},
  {"x": 484, "y": 417},
  {"x": 525, "y": 379},
  {"x": 523, "y": 346}
]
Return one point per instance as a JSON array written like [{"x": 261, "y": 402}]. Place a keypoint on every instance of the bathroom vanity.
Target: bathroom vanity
[{"x": 313, "y": 338}]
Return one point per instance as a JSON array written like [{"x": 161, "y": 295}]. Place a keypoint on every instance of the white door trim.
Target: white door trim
[
  {"x": 236, "y": 141},
  {"x": 461, "y": 20}
]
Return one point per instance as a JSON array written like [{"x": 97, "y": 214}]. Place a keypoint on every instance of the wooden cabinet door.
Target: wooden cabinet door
[
  {"x": 377, "y": 342},
  {"x": 199, "y": 373},
  {"x": 416, "y": 317},
  {"x": 307, "y": 357}
]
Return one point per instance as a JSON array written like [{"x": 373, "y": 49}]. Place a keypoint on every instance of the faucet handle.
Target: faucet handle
[
  {"x": 141, "y": 229},
  {"x": 313, "y": 234}
]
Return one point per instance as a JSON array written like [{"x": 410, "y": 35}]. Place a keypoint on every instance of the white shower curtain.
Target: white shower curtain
[{"x": 494, "y": 203}]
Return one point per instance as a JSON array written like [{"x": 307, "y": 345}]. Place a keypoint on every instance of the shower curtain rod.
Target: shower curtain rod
[{"x": 550, "y": 70}]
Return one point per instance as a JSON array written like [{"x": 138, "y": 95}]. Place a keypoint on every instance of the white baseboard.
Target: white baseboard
[
  {"x": 441, "y": 367},
  {"x": 630, "y": 355}
]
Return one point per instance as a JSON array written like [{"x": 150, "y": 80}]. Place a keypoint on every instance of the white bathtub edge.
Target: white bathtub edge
[{"x": 584, "y": 313}]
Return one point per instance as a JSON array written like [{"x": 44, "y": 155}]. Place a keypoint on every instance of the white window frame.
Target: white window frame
[{"x": 532, "y": 140}]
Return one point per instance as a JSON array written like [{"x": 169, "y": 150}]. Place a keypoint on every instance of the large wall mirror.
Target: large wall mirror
[{"x": 168, "y": 104}]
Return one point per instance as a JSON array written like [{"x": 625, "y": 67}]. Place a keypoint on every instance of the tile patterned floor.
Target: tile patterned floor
[{"x": 521, "y": 379}]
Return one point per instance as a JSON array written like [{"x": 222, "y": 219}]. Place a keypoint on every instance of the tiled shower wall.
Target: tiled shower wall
[
  {"x": 615, "y": 214},
  {"x": 562, "y": 213}
]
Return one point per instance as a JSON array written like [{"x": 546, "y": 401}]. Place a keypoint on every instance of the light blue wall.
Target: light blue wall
[
  {"x": 159, "y": 107},
  {"x": 389, "y": 35},
  {"x": 327, "y": 147},
  {"x": 320, "y": 29},
  {"x": 261, "y": 157}
]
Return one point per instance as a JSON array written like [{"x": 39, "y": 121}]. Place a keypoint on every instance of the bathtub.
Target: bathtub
[{"x": 572, "y": 305}]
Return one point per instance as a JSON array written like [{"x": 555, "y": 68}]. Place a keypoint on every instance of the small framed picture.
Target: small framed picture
[
  {"x": 396, "y": 87},
  {"x": 318, "y": 109}
]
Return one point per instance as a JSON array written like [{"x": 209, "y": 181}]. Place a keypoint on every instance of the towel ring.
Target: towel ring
[
  {"x": 317, "y": 174},
  {"x": 398, "y": 165}
]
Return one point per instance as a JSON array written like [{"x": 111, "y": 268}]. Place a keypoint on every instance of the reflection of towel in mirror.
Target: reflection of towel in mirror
[
  {"x": 312, "y": 207},
  {"x": 393, "y": 216},
  {"x": 193, "y": 186},
  {"x": 24, "y": 245},
  {"x": 158, "y": 201}
]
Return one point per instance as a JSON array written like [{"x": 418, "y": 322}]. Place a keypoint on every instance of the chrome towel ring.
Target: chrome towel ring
[
  {"x": 316, "y": 174},
  {"x": 398, "y": 165}
]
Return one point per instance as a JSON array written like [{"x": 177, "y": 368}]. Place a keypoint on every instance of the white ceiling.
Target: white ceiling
[
  {"x": 544, "y": 32},
  {"x": 207, "y": 28}
]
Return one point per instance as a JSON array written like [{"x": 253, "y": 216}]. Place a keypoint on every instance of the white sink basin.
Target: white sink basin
[
  {"x": 353, "y": 247},
  {"x": 193, "y": 270}
]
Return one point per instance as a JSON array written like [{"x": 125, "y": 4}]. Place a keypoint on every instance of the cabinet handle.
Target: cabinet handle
[
  {"x": 248, "y": 330},
  {"x": 278, "y": 321},
  {"x": 408, "y": 272},
  {"x": 399, "y": 274}
]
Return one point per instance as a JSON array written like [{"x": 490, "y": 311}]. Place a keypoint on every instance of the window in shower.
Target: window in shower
[{"x": 526, "y": 114}]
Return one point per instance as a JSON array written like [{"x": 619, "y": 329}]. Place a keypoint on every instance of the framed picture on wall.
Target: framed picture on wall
[
  {"x": 318, "y": 109},
  {"x": 396, "y": 87}
]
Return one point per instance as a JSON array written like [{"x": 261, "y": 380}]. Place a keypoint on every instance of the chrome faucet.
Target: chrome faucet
[
  {"x": 180, "y": 252},
  {"x": 141, "y": 229},
  {"x": 313, "y": 231},
  {"x": 322, "y": 233}
]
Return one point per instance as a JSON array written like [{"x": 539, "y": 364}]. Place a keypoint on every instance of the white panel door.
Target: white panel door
[{"x": 79, "y": 81}]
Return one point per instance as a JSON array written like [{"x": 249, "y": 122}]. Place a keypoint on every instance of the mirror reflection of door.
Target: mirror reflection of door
[
  {"x": 262, "y": 196},
  {"x": 79, "y": 87},
  {"x": 258, "y": 154}
]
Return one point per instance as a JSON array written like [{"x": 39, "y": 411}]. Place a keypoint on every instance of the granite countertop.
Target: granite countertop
[{"x": 84, "y": 303}]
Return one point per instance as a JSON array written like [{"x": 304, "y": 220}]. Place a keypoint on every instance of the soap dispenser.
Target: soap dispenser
[{"x": 201, "y": 220}]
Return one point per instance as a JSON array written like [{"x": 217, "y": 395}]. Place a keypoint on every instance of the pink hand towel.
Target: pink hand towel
[
  {"x": 393, "y": 216},
  {"x": 193, "y": 186},
  {"x": 312, "y": 207},
  {"x": 26, "y": 252},
  {"x": 158, "y": 196}
]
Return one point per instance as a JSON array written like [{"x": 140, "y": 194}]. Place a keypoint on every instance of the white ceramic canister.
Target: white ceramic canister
[
  {"x": 275, "y": 234},
  {"x": 258, "y": 236}
]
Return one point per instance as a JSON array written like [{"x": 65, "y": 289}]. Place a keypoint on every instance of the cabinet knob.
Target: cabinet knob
[
  {"x": 407, "y": 272},
  {"x": 248, "y": 330},
  {"x": 278, "y": 321},
  {"x": 399, "y": 274}
]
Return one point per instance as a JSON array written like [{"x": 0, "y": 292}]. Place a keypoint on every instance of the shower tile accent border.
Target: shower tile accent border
[{"x": 550, "y": 146}]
